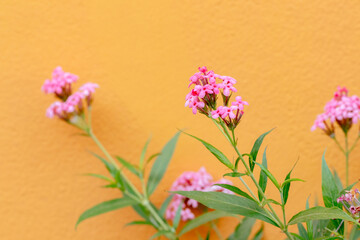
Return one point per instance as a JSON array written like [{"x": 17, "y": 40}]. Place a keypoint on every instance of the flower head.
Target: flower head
[
  {"x": 204, "y": 95},
  {"x": 60, "y": 84},
  {"x": 192, "y": 181},
  {"x": 70, "y": 104},
  {"x": 342, "y": 109}
]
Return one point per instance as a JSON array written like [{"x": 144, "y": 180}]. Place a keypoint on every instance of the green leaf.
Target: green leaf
[
  {"x": 286, "y": 185},
  {"x": 229, "y": 203},
  {"x": 255, "y": 149},
  {"x": 316, "y": 213},
  {"x": 259, "y": 234},
  {"x": 234, "y": 174},
  {"x": 243, "y": 229},
  {"x": 348, "y": 188},
  {"x": 329, "y": 187},
  {"x": 217, "y": 153},
  {"x": 292, "y": 180},
  {"x": 143, "y": 152},
  {"x": 270, "y": 176},
  {"x": 105, "y": 207},
  {"x": 272, "y": 201},
  {"x": 109, "y": 166},
  {"x": 161, "y": 163},
  {"x": 99, "y": 176},
  {"x": 138, "y": 223},
  {"x": 165, "y": 204},
  {"x": 263, "y": 176},
  {"x": 202, "y": 219},
  {"x": 302, "y": 231},
  {"x": 338, "y": 181},
  {"x": 235, "y": 190},
  {"x": 355, "y": 233},
  {"x": 162, "y": 233},
  {"x": 129, "y": 166},
  {"x": 177, "y": 217}
]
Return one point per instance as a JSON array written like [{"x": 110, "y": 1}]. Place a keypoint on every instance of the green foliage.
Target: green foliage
[
  {"x": 202, "y": 219},
  {"x": 255, "y": 150},
  {"x": 263, "y": 176},
  {"x": 105, "y": 207},
  {"x": 160, "y": 164},
  {"x": 229, "y": 203},
  {"x": 216, "y": 152},
  {"x": 243, "y": 229},
  {"x": 329, "y": 187},
  {"x": 317, "y": 213},
  {"x": 235, "y": 190}
]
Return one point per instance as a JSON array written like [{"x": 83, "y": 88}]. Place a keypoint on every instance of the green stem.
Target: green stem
[
  {"x": 251, "y": 192},
  {"x": 353, "y": 146},
  {"x": 142, "y": 199},
  {"x": 338, "y": 144},
  {"x": 347, "y": 152}
]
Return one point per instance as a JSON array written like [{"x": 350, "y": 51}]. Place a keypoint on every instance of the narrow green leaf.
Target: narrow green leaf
[
  {"x": 316, "y": 213},
  {"x": 105, "y": 207},
  {"x": 234, "y": 174},
  {"x": 259, "y": 234},
  {"x": 355, "y": 233},
  {"x": 338, "y": 181},
  {"x": 273, "y": 201},
  {"x": 235, "y": 190},
  {"x": 152, "y": 157},
  {"x": 165, "y": 204},
  {"x": 243, "y": 229},
  {"x": 99, "y": 176},
  {"x": 138, "y": 223},
  {"x": 202, "y": 219},
  {"x": 296, "y": 236},
  {"x": 309, "y": 224},
  {"x": 302, "y": 231},
  {"x": 109, "y": 166},
  {"x": 292, "y": 180},
  {"x": 129, "y": 166},
  {"x": 255, "y": 149},
  {"x": 348, "y": 188},
  {"x": 161, "y": 163},
  {"x": 286, "y": 185},
  {"x": 143, "y": 152},
  {"x": 268, "y": 173},
  {"x": 217, "y": 153},
  {"x": 177, "y": 217},
  {"x": 229, "y": 203},
  {"x": 329, "y": 188},
  {"x": 263, "y": 176}
]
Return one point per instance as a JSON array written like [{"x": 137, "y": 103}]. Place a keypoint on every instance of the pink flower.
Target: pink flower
[
  {"x": 203, "y": 97},
  {"x": 239, "y": 103},
  {"x": 215, "y": 188},
  {"x": 88, "y": 89},
  {"x": 60, "y": 84},
  {"x": 341, "y": 109},
  {"x": 351, "y": 202},
  {"x": 191, "y": 181}
]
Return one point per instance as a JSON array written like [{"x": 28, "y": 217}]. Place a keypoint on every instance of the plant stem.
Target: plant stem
[
  {"x": 347, "y": 159},
  {"x": 142, "y": 199},
  {"x": 353, "y": 146},
  {"x": 247, "y": 187},
  {"x": 338, "y": 144}
]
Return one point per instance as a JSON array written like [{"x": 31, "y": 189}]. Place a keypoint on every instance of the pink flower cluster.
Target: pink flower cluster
[
  {"x": 192, "y": 181},
  {"x": 203, "y": 97},
  {"x": 351, "y": 202},
  {"x": 70, "y": 104},
  {"x": 341, "y": 109}
]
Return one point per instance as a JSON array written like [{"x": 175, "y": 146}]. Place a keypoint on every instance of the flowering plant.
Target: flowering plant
[
  {"x": 74, "y": 108},
  {"x": 204, "y": 98}
]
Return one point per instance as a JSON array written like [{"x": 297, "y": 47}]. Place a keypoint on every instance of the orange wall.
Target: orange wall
[{"x": 288, "y": 58}]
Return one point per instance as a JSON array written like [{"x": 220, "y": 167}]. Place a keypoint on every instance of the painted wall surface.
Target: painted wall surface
[{"x": 288, "y": 58}]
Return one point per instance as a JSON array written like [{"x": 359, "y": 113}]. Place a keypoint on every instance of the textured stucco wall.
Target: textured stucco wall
[{"x": 288, "y": 57}]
